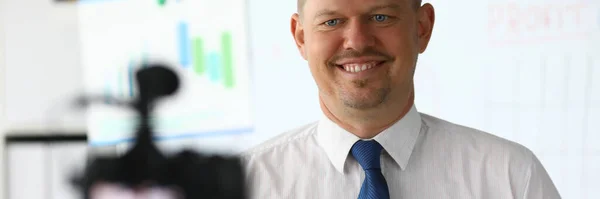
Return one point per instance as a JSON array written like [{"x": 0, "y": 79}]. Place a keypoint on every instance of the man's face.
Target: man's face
[{"x": 361, "y": 53}]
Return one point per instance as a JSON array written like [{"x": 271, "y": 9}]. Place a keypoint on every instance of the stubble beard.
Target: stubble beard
[{"x": 359, "y": 102}]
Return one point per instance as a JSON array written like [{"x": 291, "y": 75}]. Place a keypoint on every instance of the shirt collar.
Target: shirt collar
[{"x": 398, "y": 140}]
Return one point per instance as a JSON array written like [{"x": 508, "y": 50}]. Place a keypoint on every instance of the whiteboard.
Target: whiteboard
[
  {"x": 210, "y": 57},
  {"x": 240, "y": 119},
  {"x": 527, "y": 71}
]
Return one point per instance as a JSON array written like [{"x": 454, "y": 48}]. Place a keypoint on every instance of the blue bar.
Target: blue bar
[
  {"x": 214, "y": 69},
  {"x": 217, "y": 133},
  {"x": 184, "y": 45},
  {"x": 131, "y": 77}
]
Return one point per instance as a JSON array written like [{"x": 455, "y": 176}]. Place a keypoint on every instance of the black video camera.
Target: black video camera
[{"x": 144, "y": 171}]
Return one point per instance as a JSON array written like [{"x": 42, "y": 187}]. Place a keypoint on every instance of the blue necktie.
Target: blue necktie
[{"x": 367, "y": 153}]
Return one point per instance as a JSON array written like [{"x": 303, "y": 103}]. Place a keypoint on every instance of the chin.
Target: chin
[
  {"x": 362, "y": 102},
  {"x": 361, "y": 105}
]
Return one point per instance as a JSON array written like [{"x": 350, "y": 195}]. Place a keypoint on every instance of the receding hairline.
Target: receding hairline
[{"x": 300, "y": 5}]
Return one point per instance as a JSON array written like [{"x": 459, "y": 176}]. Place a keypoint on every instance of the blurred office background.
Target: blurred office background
[{"x": 528, "y": 71}]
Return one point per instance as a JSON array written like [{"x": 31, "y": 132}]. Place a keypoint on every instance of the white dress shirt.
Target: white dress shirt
[{"x": 423, "y": 157}]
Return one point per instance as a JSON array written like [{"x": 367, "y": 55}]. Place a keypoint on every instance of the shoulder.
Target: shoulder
[
  {"x": 278, "y": 160},
  {"x": 283, "y": 165},
  {"x": 475, "y": 142},
  {"x": 489, "y": 157},
  {"x": 285, "y": 140}
]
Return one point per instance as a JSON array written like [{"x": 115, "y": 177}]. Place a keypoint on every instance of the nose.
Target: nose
[{"x": 358, "y": 36}]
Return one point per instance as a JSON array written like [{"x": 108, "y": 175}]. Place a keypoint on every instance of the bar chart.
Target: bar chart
[
  {"x": 218, "y": 66},
  {"x": 210, "y": 57}
]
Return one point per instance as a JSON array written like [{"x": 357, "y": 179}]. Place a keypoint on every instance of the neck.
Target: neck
[{"x": 366, "y": 124}]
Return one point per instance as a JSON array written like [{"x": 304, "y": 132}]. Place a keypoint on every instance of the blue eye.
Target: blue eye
[
  {"x": 380, "y": 18},
  {"x": 332, "y": 22}
]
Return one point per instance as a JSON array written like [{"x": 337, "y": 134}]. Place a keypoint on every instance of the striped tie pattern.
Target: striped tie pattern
[{"x": 367, "y": 153}]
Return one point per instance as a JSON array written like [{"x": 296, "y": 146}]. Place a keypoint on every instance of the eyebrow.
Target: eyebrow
[
  {"x": 325, "y": 12},
  {"x": 328, "y": 12},
  {"x": 391, "y": 6}
]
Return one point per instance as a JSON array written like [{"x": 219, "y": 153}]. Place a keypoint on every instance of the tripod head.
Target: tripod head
[{"x": 190, "y": 174}]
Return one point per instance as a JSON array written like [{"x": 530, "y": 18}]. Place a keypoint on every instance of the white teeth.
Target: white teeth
[{"x": 354, "y": 68}]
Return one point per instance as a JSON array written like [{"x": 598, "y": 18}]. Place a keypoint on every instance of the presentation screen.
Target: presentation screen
[{"x": 205, "y": 42}]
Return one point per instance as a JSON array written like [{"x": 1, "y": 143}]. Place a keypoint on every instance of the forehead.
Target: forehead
[{"x": 314, "y": 6}]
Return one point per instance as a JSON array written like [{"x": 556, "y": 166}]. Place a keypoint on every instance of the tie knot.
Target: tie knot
[{"x": 367, "y": 153}]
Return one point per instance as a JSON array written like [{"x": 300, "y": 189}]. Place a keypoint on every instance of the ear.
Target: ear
[
  {"x": 426, "y": 19},
  {"x": 298, "y": 33}
]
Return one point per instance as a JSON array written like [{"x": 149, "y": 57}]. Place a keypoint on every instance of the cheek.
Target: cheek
[
  {"x": 405, "y": 50},
  {"x": 319, "y": 50},
  {"x": 398, "y": 43},
  {"x": 321, "y": 47}
]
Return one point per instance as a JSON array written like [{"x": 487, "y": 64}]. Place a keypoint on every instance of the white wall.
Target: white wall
[
  {"x": 2, "y": 80},
  {"x": 37, "y": 36},
  {"x": 42, "y": 65}
]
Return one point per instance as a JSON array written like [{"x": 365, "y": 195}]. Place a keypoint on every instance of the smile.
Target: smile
[{"x": 360, "y": 67}]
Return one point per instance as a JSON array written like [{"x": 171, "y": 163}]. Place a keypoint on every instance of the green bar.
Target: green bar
[
  {"x": 198, "y": 51},
  {"x": 226, "y": 48},
  {"x": 162, "y": 2}
]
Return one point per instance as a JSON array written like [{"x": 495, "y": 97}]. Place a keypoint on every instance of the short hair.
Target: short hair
[{"x": 300, "y": 5}]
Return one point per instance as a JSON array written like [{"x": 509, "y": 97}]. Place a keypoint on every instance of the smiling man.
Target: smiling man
[{"x": 371, "y": 141}]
